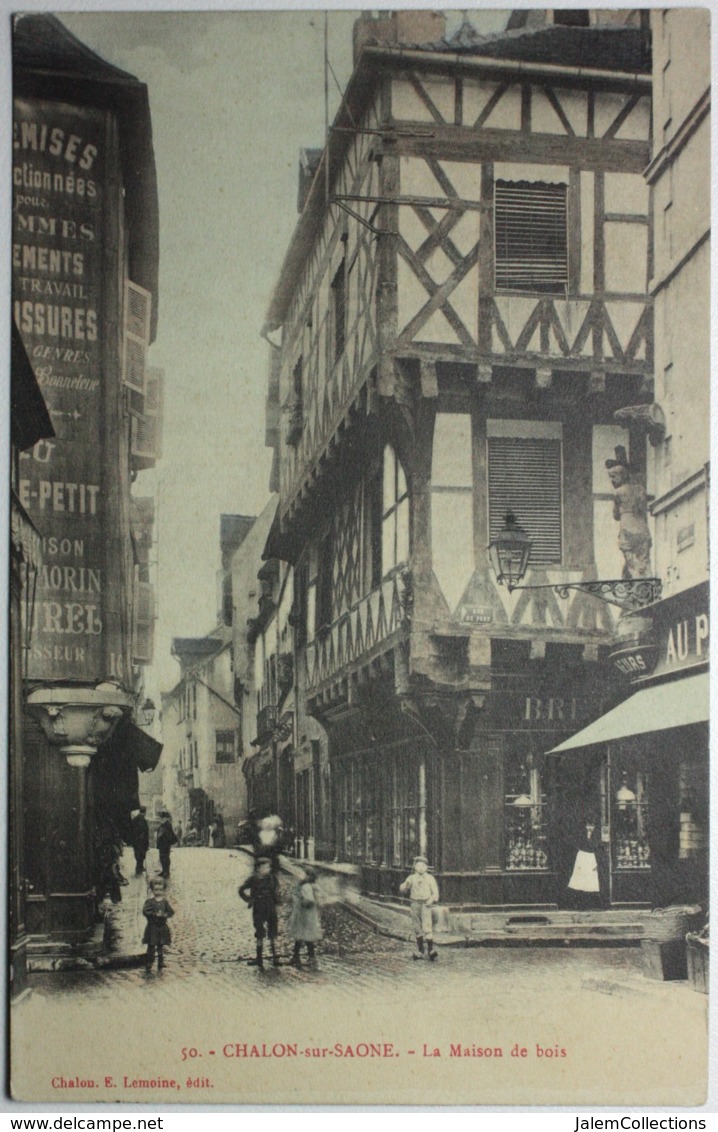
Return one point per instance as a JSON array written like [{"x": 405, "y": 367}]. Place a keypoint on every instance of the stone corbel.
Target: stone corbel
[{"x": 650, "y": 418}]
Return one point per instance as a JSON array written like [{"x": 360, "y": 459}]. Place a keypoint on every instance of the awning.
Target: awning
[
  {"x": 143, "y": 751},
  {"x": 664, "y": 706}
]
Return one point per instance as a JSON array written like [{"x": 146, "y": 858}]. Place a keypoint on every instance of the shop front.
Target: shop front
[{"x": 643, "y": 766}]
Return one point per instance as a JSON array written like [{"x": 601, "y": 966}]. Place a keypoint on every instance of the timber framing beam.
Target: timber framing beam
[{"x": 457, "y": 143}]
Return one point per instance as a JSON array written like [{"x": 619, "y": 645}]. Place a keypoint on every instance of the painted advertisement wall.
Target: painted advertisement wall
[{"x": 59, "y": 166}]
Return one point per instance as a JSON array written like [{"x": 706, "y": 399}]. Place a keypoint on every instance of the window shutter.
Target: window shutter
[
  {"x": 146, "y": 429},
  {"x": 531, "y": 236},
  {"x": 138, "y": 309},
  {"x": 143, "y": 622},
  {"x": 525, "y": 478},
  {"x": 142, "y": 517}
]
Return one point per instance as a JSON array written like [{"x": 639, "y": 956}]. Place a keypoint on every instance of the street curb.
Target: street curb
[
  {"x": 50, "y": 966},
  {"x": 369, "y": 922}
]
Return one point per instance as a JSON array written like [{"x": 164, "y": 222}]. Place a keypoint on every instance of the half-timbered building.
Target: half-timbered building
[{"x": 461, "y": 312}]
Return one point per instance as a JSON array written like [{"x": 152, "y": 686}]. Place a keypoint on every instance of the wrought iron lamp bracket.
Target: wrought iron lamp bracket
[{"x": 629, "y": 594}]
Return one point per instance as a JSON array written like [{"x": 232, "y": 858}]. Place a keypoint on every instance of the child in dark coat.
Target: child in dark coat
[
  {"x": 157, "y": 911},
  {"x": 261, "y": 893}
]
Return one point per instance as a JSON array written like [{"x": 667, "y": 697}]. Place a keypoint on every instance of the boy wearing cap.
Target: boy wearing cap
[
  {"x": 261, "y": 893},
  {"x": 423, "y": 891}
]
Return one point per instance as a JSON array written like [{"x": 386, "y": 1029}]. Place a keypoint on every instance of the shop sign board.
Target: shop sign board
[
  {"x": 57, "y": 247},
  {"x": 681, "y": 634}
]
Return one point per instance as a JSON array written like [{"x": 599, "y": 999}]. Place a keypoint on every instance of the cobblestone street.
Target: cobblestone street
[
  {"x": 213, "y": 937},
  {"x": 208, "y": 1003}
]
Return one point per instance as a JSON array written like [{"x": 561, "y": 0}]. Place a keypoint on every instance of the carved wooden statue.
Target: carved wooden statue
[{"x": 630, "y": 508}]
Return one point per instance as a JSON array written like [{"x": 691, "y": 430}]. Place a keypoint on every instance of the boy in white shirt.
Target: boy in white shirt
[{"x": 423, "y": 891}]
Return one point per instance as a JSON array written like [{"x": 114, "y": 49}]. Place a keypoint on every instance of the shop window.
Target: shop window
[
  {"x": 525, "y": 479},
  {"x": 224, "y": 747},
  {"x": 305, "y": 802},
  {"x": 693, "y": 791},
  {"x": 629, "y": 817},
  {"x": 525, "y": 813},
  {"x": 359, "y": 819},
  {"x": 350, "y": 813},
  {"x": 531, "y": 243},
  {"x": 406, "y": 815},
  {"x": 395, "y": 513}
]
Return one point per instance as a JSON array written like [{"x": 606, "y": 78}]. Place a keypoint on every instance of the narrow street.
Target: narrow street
[{"x": 365, "y": 989}]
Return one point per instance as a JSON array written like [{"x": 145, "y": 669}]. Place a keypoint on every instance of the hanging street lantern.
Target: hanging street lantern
[
  {"x": 147, "y": 712},
  {"x": 509, "y": 553}
]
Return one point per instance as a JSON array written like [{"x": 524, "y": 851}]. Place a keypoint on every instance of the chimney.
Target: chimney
[
  {"x": 419, "y": 26},
  {"x": 393, "y": 29}
]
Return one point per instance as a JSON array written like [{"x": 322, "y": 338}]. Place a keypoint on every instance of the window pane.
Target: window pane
[
  {"x": 629, "y": 819},
  {"x": 389, "y": 489},
  {"x": 401, "y": 488},
  {"x": 311, "y": 610},
  {"x": 451, "y": 457},
  {"x": 525, "y": 813},
  {"x": 388, "y": 543},
  {"x": 402, "y": 531}
]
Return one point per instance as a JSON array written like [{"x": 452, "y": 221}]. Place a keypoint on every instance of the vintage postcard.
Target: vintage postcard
[{"x": 359, "y": 557}]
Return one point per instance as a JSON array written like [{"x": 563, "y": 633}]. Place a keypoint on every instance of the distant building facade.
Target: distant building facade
[{"x": 203, "y": 716}]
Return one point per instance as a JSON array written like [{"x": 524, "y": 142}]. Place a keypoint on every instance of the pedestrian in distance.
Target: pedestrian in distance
[
  {"x": 304, "y": 924},
  {"x": 166, "y": 838},
  {"x": 157, "y": 910},
  {"x": 269, "y": 839},
  {"x": 216, "y": 832},
  {"x": 423, "y": 893},
  {"x": 261, "y": 894},
  {"x": 140, "y": 839}
]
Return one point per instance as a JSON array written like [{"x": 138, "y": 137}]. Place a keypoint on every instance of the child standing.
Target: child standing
[
  {"x": 157, "y": 910},
  {"x": 261, "y": 892},
  {"x": 423, "y": 891},
  {"x": 303, "y": 921}
]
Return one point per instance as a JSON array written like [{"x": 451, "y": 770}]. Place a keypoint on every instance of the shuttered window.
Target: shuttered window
[
  {"x": 143, "y": 621},
  {"x": 531, "y": 236},
  {"x": 137, "y": 313},
  {"x": 525, "y": 479}
]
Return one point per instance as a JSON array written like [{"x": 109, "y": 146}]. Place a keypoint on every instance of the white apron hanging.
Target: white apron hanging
[{"x": 584, "y": 877}]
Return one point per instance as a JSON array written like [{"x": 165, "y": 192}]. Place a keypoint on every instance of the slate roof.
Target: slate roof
[{"x": 622, "y": 49}]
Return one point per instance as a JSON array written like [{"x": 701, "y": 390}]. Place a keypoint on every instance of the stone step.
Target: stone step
[{"x": 576, "y": 932}]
